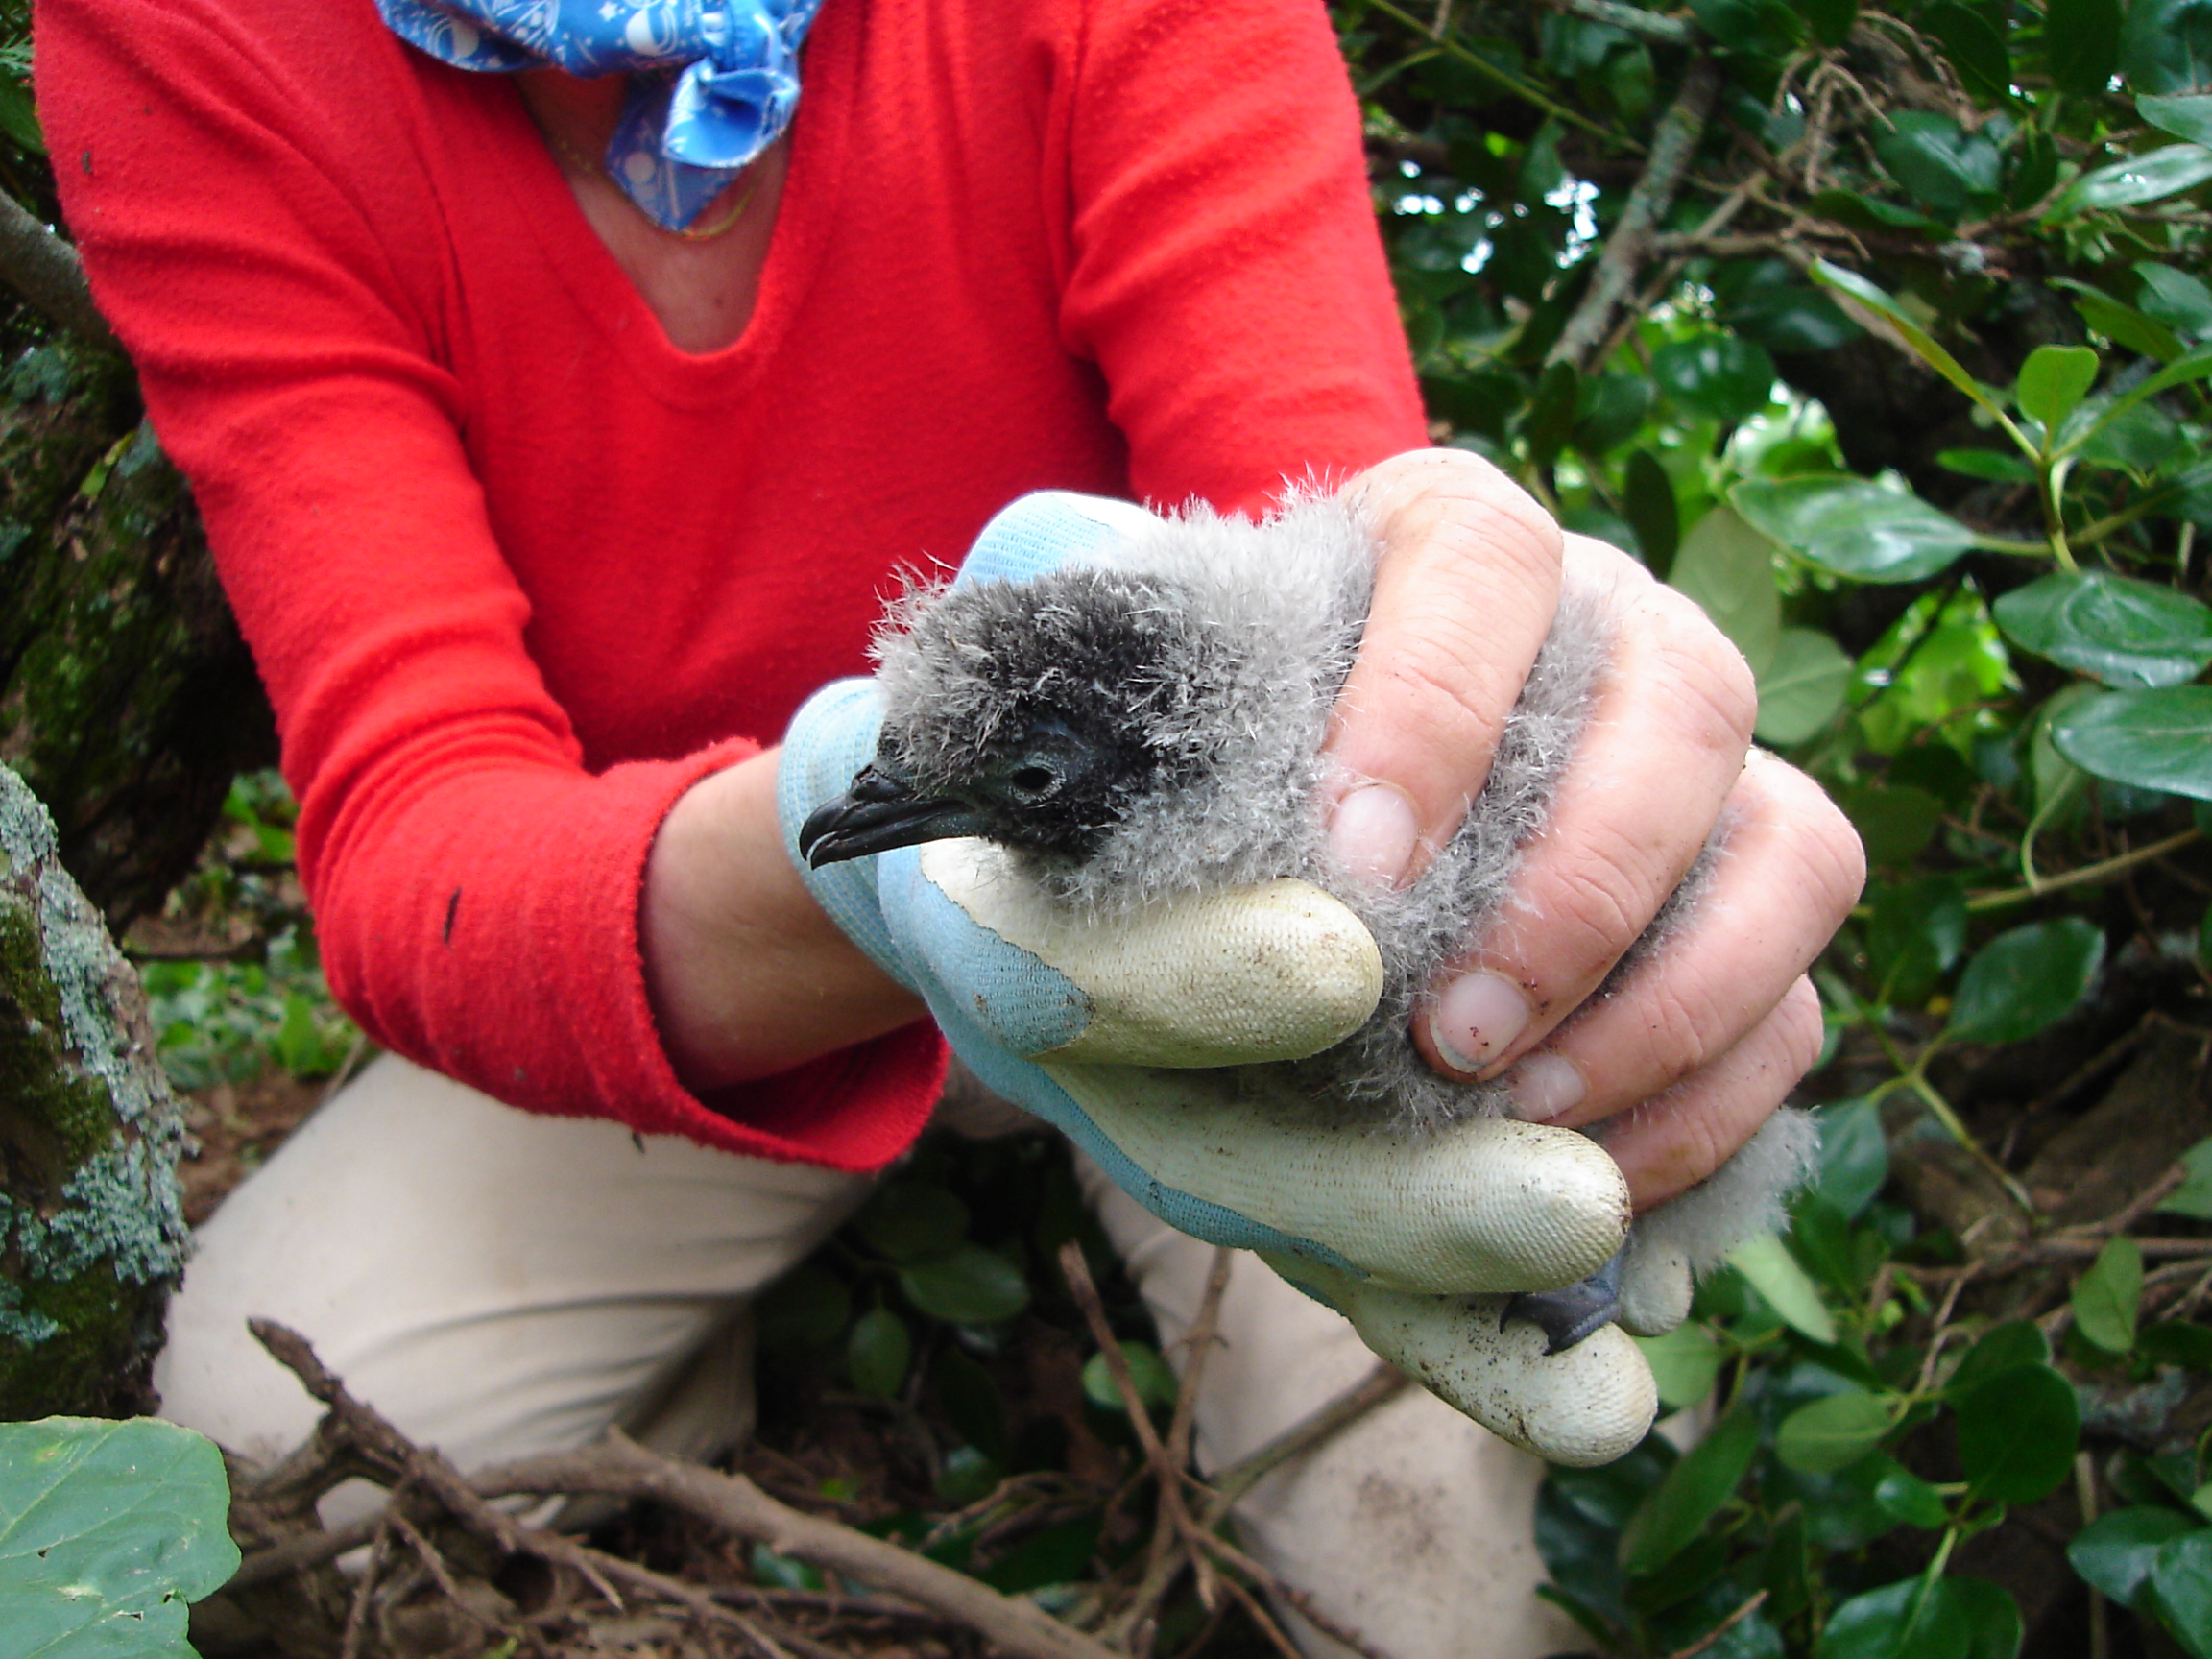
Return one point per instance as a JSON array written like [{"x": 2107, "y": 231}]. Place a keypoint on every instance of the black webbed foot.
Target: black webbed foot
[{"x": 1574, "y": 1312}]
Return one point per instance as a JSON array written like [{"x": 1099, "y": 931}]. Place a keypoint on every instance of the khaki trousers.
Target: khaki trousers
[{"x": 499, "y": 1283}]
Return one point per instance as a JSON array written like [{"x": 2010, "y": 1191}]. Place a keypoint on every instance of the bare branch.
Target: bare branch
[{"x": 45, "y": 269}]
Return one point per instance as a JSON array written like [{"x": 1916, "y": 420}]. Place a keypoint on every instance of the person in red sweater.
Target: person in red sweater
[{"x": 543, "y": 504}]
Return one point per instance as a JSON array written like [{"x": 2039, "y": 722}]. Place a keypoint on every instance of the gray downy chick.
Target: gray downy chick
[{"x": 1150, "y": 724}]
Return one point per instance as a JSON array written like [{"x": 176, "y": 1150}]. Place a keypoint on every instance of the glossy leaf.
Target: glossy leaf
[
  {"x": 2158, "y": 739},
  {"x": 1762, "y": 28},
  {"x": 1720, "y": 377},
  {"x": 106, "y": 1531},
  {"x": 1854, "y": 527},
  {"x": 2026, "y": 979},
  {"x": 2176, "y": 297},
  {"x": 1994, "y": 1626},
  {"x": 1803, "y": 686},
  {"x": 1155, "y": 1382},
  {"x": 2184, "y": 114},
  {"x": 2004, "y": 1347},
  {"x": 1832, "y": 1433},
  {"x": 1854, "y": 1154},
  {"x": 1875, "y": 310},
  {"x": 1943, "y": 166},
  {"x": 2166, "y": 45},
  {"x": 1774, "y": 1273},
  {"x": 2081, "y": 43},
  {"x": 878, "y": 1353},
  {"x": 1915, "y": 936},
  {"x": 2193, "y": 1196},
  {"x": 967, "y": 1285},
  {"x": 2113, "y": 1554},
  {"x": 2017, "y": 1433},
  {"x": 2109, "y": 1298},
  {"x": 1831, "y": 19},
  {"x": 1975, "y": 45},
  {"x": 1992, "y": 466},
  {"x": 907, "y": 1220},
  {"x": 1685, "y": 1364},
  {"x": 2138, "y": 181},
  {"x": 1911, "y": 1620},
  {"x": 1676, "y": 1513},
  {"x": 2180, "y": 1590},
  {"x": 2119, "y": 322},
  {"x": 2195, "y": 365},
  {"x": 2052, "y": 381},
  {"x": 2126, "y": 633},
  {"x": 1728, "y": 567},
  {"x": 1910, "y": 1499},
  {"x": 2177, "y": 1342},
  {"x": 1894, "y": 824}
]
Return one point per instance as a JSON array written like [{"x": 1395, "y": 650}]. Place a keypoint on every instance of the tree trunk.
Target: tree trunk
[{"x": 92, "y": 1233}]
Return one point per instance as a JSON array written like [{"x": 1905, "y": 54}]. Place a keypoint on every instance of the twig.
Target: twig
[
  {"x": 357, "y": 1610},
  {"x": 1705, "y": 1642},
  {"x": 698, "y": 1600},
  {"x": 433, "y": 1561},
  {"x": 1679, "y": 131},
  {"x": 46, "y": 270},
  {"x": 1377, "y": 1387},
  {"x": 1631, "y": 19},
  {"x": 2096, "y": 871}
]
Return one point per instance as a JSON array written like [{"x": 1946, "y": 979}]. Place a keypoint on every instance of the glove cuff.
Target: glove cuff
[{"x": 832, "y": 737}]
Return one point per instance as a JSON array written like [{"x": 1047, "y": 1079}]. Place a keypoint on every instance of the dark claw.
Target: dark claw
[{"x": 1572, "y": 1313}]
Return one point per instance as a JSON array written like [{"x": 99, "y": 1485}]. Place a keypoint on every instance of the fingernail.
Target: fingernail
[
  {"x": 1544, "y": 1085},
  {"x": 1373, "y": 834},
  {"x": 1475, "y": 1019}
]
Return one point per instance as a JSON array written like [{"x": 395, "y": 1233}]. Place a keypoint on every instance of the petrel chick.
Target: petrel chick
[{"x": 1150, "y": 724}]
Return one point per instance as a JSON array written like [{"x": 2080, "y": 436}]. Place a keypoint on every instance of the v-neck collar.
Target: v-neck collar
[{"x": 609, "y": 303}]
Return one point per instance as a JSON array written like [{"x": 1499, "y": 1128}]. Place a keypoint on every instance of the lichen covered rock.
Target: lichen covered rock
[{"x": 92, "y": 1234}]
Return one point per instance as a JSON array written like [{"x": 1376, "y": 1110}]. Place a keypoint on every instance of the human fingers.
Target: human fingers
[
  {"x": 1465, "y": 588},
  {"x": 1672, "y": 1142},
  {"x": 1662, "y": 746},
  {"x": 1787, "y": 872}
]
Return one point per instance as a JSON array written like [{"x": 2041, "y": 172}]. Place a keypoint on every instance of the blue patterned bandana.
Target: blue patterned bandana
[{"x": 713, "y": 83}]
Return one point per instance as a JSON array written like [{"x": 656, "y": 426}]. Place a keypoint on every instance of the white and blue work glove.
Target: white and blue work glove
[{"x": 1127, "y": 1036}]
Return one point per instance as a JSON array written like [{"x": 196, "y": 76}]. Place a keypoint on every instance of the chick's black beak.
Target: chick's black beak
[{"x": 880, "y": 812}]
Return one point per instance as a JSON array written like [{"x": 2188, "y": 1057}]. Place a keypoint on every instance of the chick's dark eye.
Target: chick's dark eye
[{"x": 1034, "y": 780}]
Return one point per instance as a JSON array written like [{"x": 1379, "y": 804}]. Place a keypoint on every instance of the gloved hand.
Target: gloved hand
[{"x": 1128, "y": 1036}]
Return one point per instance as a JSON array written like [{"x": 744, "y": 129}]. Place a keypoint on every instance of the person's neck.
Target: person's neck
[{"x": 702, "y": 291}]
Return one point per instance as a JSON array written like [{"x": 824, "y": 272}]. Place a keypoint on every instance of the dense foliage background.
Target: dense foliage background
[{"x": 1884, "y": 332}]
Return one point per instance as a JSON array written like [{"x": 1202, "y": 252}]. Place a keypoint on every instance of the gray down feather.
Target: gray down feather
[{"x": 1214, "y": 648}]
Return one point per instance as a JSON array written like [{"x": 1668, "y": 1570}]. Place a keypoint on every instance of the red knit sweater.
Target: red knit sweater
[{"x": 517, "y": 573}]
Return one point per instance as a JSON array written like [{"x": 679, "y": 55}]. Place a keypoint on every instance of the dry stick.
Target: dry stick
[
  {"x": 699, "y": 1601},
  {"x": 432, "y": 1562},
  {"x": 375, "y": 1437},
  {"x": 1671, "y": 146},
  {"x": 1175, "y": 1514},
  {"x": 619, "y": 1467},
  {"x": 1705, "y": 1642},
  {"x": 45, "y": 271},
  {"x": 357, "y": 1610},
  {"x": 1377, "y": 1387}
]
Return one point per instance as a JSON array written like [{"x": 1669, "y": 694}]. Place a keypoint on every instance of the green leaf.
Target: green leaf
[
  {"x": 2026, "y": 979},
  {"x": 1878, "y": 313},
  {"x": 2175, "y": 298},
  {"x": 2126, "y": 633},
  {"x": 2166, "y": 45},
  {"x": 878, "y": 1353},
  {"x": 1155, "y": 1381},
  {"x": 1608, "y": 409},
  {"x": 1719, "y": 376},
  {"x": 1676, "y": 1513},
  {"x": 2151, "y": 177},
  {"x": 2180, "y": 1590},
  {"x": 2177, "y": 1342},
  {"x": 1862, "y": 212},
  {"x": 1854, "y": 1154},
  {"x": 1992, "y": 466},
  {"x": 1853, "y": 526},
  {"x": 1774, "y": 1273},
  {"x": 2017, "y": 1433},
  {"x": 1911, "y": 1620},
  {"x": 1685, "y": 1363},
  {"x": 19, "y": 116},
  {"x": 1832, "y": 1433},
  {"x": 2113, "y": 1554},
  {"x": 1994, "y": 1628},
  {"x": 2052, "y": 381},
  {"x": 1910, "y": 1498},
  {"x": 1057, "y": 1554},
  {"x": 2108, "y": 1297},
  {"x": 2157, "y": 739},
  {"x": 1916, "y": 934},
  {"x": 2184, "y": 114},
  {"x": 1831, "y": 19},
  {"x": 967, "y": 1285},
  {"x": 1940, "y": 164},
  {"x": 2002, "y": 1348},
  {"x": 1728, "y": 567},
  {"x": 1975, "y": 45},
  {"x": 106, "y": 1530},
  {"x": 968, "y": 1475},
  {"x": 971, "y": 1402},
  {"x": 1647, "y": 501},
  {"x": 907, "y": 1220},
  {"x": 2121, "y": 323},
  {"x": 2193, "y": 1196},
  {"x": 1761, "y": 28},
  {"x": 2082, "y": 44},
  {"x": 2197, "y": 364},
  {"x": 1893, "y": 824},
  {"x": 1803, "y": 686}
]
